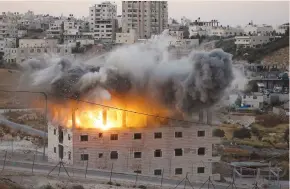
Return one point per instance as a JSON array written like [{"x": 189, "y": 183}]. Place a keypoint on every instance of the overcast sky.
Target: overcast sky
[{"x": 227, "y": 12}]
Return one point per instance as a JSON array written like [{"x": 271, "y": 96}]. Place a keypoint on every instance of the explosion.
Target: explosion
[{"x": 140, "y": 78}]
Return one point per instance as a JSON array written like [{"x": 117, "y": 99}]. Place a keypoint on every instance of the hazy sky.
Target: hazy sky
[{"x": 227, "y": 12}]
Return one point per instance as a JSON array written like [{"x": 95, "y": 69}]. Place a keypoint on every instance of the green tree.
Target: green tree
[
  {"x": 218, "y": 133},
  {"x": 242, "y": 133}
]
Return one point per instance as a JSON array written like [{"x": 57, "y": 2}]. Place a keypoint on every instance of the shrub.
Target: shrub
[
  {"x": 109, "y": 183},
  {"x": 218, "y": 133},
  {"x": 271, "y": 120},
  {"x": 77, "y": 187},
  {"x": 117, "y": 184},
  {"x": 242, "y": 133},
  {"x": 142, "y": 186}
]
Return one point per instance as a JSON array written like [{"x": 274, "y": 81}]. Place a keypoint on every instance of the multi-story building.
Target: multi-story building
[
  {"x": 281, "y": 29},
  {"x": 146, "y": 17},
  {"x": 8, "y": 29},
  {"x": 172, "y": 150},
  {"x": 103, "y": 21},
  {"x": 126, "y": 38},
  {"x": 253, "y": 29},
  {"x": 55, "y": 29},
  {"x": 7, "y": 43},
  {"x": 251, "y": 41},
  {"x": 225, "y": 31},
  {"x": 33, "y": 48}
]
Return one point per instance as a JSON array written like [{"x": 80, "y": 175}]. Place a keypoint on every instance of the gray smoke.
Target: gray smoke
[{"x": 185, "y": 85}]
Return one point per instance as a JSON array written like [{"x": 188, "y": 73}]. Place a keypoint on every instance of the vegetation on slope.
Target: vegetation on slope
[{"x": 253, "y": 54}]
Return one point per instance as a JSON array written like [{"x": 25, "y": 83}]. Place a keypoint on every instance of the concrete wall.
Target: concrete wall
[
  {"x": 53, "y": 142},
  {"x": 126, "y": 145}
]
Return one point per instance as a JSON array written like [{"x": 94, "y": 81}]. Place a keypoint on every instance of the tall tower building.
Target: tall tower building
[
  {"x": 102, "y": 20},
  {"x": 146, "y": 17}
]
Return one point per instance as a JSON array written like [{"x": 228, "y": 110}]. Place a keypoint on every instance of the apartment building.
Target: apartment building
[
  {"x": 33, "y": 48},
  {"x": 225, "y": 31},
  {"x": 126, "y": 38},
  {"x": 7, "y": 43},
  {"x": 253, "y": 29},
  {"x": 8, "y": 29},
  {"x": 103, "y": 21},
  {"x": 55, "y": 28},
  {"x": 251, "y": 41},
  {"x": 171, "y": 150},
  {"x": 146, "y": 17}
]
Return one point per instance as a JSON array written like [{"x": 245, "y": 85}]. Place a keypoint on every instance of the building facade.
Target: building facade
[
  {"x": 34, "y": 48},
  {"x": 103, "y": 21},
  {"x": 126, "y": 38},
  {"x": 146, "y": 17},
  {"x": 172, "y": 150},
  {"x": 252, "y": 41}
]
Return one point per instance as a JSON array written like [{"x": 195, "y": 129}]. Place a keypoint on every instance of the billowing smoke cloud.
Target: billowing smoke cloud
[{"x": 184, "y": 85}]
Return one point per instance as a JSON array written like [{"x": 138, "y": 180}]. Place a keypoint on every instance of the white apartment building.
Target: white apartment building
[
  {"x": 176, "y": 148},
  {"x": 251, "y": 41},
  {"x": 281, "y": 29},
  {"x": 225, "y": 31},
  {"x": 199, "y": 30},
  {"x": 127, "y": 38},
  {"x": 119, "y": 21},
  {"x": 103, "y": 21},
  {"x": 146, "y": 17},
  {"x": 254, "y": 101},
  {"x": 253, "y": 29},
  {"x": 33, "y": 48}
]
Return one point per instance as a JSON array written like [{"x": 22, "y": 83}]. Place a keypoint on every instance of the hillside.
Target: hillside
[
  {"x": 280, "y": 56},
  {"x": 275, "y": 52}
]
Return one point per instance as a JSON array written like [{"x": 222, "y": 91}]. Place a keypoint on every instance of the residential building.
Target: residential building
[
  {"x": 202, "y": 28},
  {"x": 225, "y": 31},
  {"x": 176, "y": 31},
  {"x": 21, "y": 33},
  {"x": 33, "y": 48},
  {"x": 105, "y": 30},
  {"x": 82, "y": 42},
  {"x": 7, "y": 43},
  {"x": 253, "y": 29},
  {"x": 55, "y": 29},
  {"x": 281, "y": 29},
  {"x": 119, "y": 20},
  {"x": 253, "y": 101},
  {"x": 103, "y": 21},
  {"x": 127, "y": 38},
  {"x": 7, "y": 29},
  {"x": 37, "y": 43},
  {"x": 146, "y": 17},
  {"x": 252, "y": 41},
  {"x": 173, "y": 150}
]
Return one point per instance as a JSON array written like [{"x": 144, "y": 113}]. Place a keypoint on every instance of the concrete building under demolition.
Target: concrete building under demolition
[{"x": 172, "y": 150}]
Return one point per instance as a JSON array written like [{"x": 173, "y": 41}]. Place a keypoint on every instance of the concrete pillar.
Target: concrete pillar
[
  {"x": 104, "y": 116},
  {"x": 123, "y": 118},
  {"x": 200, "y": 118},
  {"x": 209, "y": 117}
]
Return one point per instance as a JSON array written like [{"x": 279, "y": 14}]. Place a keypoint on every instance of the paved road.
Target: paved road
[
  {"x": 77, "y": 172},
  {"x": 21, "y": 127}
]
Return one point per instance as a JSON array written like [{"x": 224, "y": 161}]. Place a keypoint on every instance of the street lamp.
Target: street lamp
[{"x": 45, "y": 117}]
